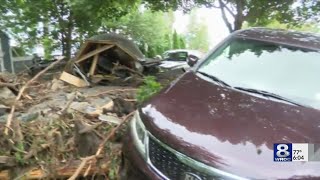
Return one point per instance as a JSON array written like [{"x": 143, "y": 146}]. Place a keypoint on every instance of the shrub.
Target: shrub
[{"x": 149, "y": 88}]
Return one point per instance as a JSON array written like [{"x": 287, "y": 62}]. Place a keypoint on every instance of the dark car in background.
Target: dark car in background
[{"x": 220, "y": 120}]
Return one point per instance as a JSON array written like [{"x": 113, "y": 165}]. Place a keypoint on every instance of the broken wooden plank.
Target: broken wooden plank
[
  {"x": 5, "y": 175},
  {"x": 7, "y": 161},
  {"x": 71, "y": 79},
  {"x": 94, "y": 63},
  {"x": 94, "y": 52},
  {"x": 83, "y": 49}
]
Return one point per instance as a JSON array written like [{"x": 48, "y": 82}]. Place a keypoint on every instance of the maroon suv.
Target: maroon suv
[{"x": 221, "y": 119}]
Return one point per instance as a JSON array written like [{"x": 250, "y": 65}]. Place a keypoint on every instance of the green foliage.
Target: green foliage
[
  {"x": 60, "y": 23},
  {"x": 258, "y": 12},
  {"x": 309, "y": 10},
  {"x": 149, "y": 88},
  {"x": 18, "y": 51},
  {"x": 197, "y": 35},
  {"x": 150, "y": 30},
  {"x": 182, "y": 43},
  {"x": 175, "y": 40},
  {"x": 18, "y": 154},
  {"x": 167, "y": 42}
]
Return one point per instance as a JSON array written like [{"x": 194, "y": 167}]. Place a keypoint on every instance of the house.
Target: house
[
  {"x": 5, "y": 53},
  {"x": 10, "y": 60}
]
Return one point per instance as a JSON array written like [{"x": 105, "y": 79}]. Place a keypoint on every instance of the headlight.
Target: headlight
[{"x": 139, "y": 133}]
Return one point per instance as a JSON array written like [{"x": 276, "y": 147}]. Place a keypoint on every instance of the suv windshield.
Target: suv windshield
[
  {"x": 176, "y": 56},
  {"x": 290, "y": 72}
]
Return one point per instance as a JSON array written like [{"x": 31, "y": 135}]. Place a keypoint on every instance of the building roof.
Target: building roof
[
  {"x": 121, "y": 41},
  {"x": 286, "y": 37}
]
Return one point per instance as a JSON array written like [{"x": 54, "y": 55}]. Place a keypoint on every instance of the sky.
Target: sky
[{"x": 212, "y": 16}]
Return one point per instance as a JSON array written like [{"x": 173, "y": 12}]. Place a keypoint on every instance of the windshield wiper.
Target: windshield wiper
[
  {"x": 268, "y": 94},
  {"x": 214, "y": 78}
]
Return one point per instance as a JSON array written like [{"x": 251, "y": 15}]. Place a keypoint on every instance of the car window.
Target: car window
[{"x": 291, "y": 72}]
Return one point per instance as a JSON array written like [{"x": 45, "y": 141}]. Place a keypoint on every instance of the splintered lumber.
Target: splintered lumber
[
  {"x": 83, "y": 49},
  {"x": 7, "y": 161},
  {"x": 63, "y": 171},
  {"x": 94, "y": 52},
  {"x": 94, "y": 63},
  {"x": 4, "y": 175},
  {"x": 71, "y": 79}
]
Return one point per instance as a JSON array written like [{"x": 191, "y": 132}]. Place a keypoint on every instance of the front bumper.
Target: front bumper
[{"x": 133, "y": 166}]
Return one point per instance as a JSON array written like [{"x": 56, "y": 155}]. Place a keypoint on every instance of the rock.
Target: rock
[
  {"x": 29, "y": 117},
  {"x": 86, "y": 108},
  {"x": 94, "y": 108},
  {"x": 57, "y": 84},
  {"x": 122, "y": 107},
  {"x": 86, "y": 143},
  {"x": 110, "y": 119},
  {"x": 4, "y": 109},
  {"x": 99, "y": 102},
  {"x": 6, "y": 93}
]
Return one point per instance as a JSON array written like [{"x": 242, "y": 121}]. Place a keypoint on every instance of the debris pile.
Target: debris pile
[
  {"x": 50, "y": 129},
  {"x": 70, "y": 125},
  {"x": 107, "y": 59}
]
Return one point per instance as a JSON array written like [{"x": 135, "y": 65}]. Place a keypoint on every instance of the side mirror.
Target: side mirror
[{"x": 192, "y": 60}]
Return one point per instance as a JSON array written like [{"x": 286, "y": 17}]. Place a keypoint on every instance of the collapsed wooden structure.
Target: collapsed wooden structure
[{"x": 101, "y": 56}]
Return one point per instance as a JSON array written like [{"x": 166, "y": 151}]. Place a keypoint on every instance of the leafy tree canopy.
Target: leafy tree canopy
[
  {"x": 58, "y": 24},
  {"x": 236, "y": 12}
]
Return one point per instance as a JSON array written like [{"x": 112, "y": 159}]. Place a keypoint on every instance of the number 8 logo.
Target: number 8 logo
[{"x": 282, "y": 150}]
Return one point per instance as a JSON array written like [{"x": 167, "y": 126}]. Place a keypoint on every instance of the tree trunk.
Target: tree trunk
[
  {"x": 68, "y": 37},
  {"x": 63, "y": 44},
  {"x": 239, "y": 18},
  {"x": 68, "y": 43}
]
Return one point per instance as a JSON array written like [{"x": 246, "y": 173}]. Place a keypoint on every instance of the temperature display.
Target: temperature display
[{"x": 287, "y": 152}]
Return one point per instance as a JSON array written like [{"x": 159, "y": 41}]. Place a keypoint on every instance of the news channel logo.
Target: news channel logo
[
  {"x": 288, "y": 152},
  {"x": 282, "y": 152}
]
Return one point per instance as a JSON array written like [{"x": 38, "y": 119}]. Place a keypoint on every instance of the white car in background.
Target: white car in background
[{"x": 177, "y": 59}]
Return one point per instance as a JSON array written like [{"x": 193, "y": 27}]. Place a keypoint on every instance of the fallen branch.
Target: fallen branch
[
  {"x": 11, "y": 85},
  {"x": 81, "y": 166},
  {"x": 21, "y": 91},
  {"x": 130, "y": 100},
  {"x": 111, "y": 91},
  {"x": 90, "y": 158}
]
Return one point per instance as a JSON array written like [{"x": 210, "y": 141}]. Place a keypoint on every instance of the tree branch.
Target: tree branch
[
  {"x": 222, "y": 4},
  {"x": 224, "y": 17}
]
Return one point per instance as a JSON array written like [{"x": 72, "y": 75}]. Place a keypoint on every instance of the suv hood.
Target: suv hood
[
  {"x": 174, "y": 64},
  {"x": 231, "y": 130}
]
